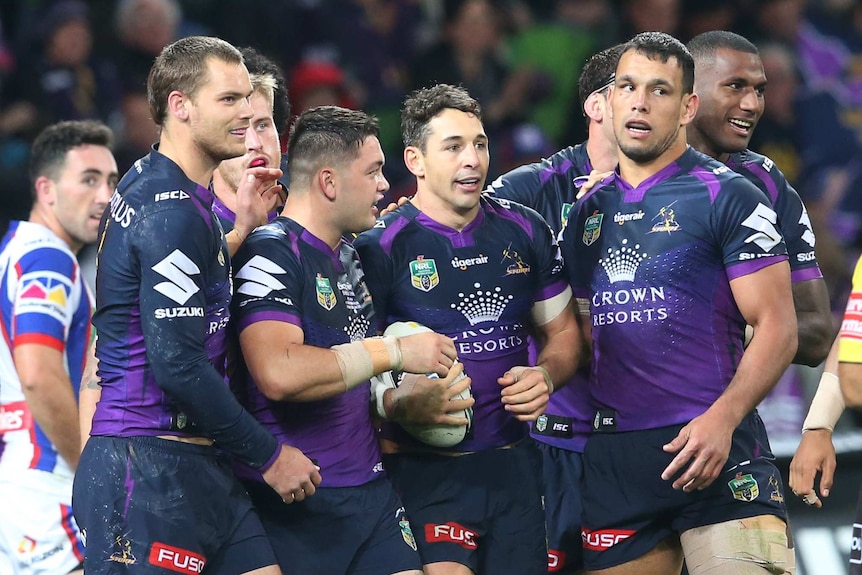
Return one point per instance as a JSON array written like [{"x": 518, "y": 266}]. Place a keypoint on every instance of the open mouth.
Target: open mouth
[
  {"x": 257, "y": 163},
  {"x": 744, "y": 126},
  {"x": 469, "y": 183},
  {"x": 638, "y": 127}
]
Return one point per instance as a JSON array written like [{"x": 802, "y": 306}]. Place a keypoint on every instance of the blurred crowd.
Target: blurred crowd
[{"x": 68, "y": 59}]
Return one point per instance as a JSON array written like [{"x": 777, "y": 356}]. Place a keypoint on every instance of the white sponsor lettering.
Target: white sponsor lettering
[
  {"x": 763, "y": 220},
  {"x": 621, "y": 218},
  {"x": 177, "y": 268},
  {"x": 172, "y": 312},
  {"x": 634, "y": 316},
  {"x": 623, "y": 297},
  {"x": 463, "y": 264},
  {"x": 808, "y": 234},
  {"x": 257, "y": 278},
  {"x": 120, "y": 211},
  {"x": 172, "y": 195},
  {"x": 806, "y": 257}
]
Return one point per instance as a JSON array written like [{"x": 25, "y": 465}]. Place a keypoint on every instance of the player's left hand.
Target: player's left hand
[
  {"x": 257, "y": 195},
  {"x": 703, "y": 445},
  {"x": 525, "y": 393},
  {"x": 392, "y": 205},
  {"x": 814, "y": 454}
]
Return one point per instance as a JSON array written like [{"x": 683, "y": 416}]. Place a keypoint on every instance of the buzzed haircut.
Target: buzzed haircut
[
  {"x": 704, "y": 46},
  {"x": 260, "y": 65},
  {"x": 425, "y": 104},
  {"x": 49, "y": 149},
  {"x": 326, "y": 136},
  {"x": 598, "y": 72},
  {"x": 663, "y": 47},
  {"x": 182, "y": 66}
]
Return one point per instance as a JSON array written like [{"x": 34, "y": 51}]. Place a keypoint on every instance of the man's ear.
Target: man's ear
[
  {"x": 690, "y": 103},
  {"x": 326, "y": 180},
  {"x": 593, "y": 107},
  {"x": 46, "y": 190},
  {"x": 414, "y": 159},
  {"x": 178, "y": 105}
]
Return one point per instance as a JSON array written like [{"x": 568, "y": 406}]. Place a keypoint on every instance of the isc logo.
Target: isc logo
[
  {"x": 176, "y": 559},
  {"x": 605, "y": 538},
  {"x": 450, "y": 533},
  {"x": 172, "y": 195}
]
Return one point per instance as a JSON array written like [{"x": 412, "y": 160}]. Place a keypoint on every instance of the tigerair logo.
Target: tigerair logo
[
  {"x": 621, "y": 218},
  {"x": 258, "y": 279},
  {"x": 483, "y": 304},
  {"x": 463, "y": 264},
  {"x": 622, "y": 264}
]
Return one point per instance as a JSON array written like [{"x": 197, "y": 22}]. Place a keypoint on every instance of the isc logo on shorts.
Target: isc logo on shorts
[
  {"x": 604, "y": 539},
  {"x": 176, "y": 559},
  {"x": 450, "y": 533}
]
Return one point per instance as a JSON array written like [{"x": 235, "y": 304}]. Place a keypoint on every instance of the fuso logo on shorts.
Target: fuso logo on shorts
[
  {"x": 604, "y": 539},
  {"x": 450, "y": 533},
  {"x": 176, "y": 559},
  {"x": 556, "y": 560}
]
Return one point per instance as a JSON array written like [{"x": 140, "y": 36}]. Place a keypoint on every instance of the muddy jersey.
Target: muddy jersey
[
  {"x": 285, "y": 273},
  {"x": 163, "y": 296},
  {"x": 656, "y": 263},
  {"x": 477, "y": 286},
  {"x": 42, "y": 301},
  {"x": 793, "y": 221},
  {"x": 551, "y": 187}
]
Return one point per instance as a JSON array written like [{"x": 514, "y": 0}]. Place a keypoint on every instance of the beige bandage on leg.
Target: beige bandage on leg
[{"x": 751, "y": 546}]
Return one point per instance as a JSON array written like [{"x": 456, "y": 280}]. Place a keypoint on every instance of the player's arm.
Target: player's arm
[
  {"x": 816, "y": 453},
  {"x": 765, "y": 300},
  {"x": 284, "y": 368},
  {"x": 50, "y": 397},
  {"x": 814, "y": 321},
  {"x": 89, "y": 393}
]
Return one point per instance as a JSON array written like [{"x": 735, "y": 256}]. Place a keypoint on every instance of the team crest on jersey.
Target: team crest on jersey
[
  {"x": 564, "y": 214},
  {"x": 593, "y": 228},
  {"x": 744, "y": 487},
  {"x": 542, "y": 423},
  {"x": 517, "y": 266},
  {"x": 124, "y": 553},
  {"x": 776, "y": 490},
  {"x": 666, "y": 220},
  {"x": 44, "y": 292},
  {"x": 325, "y": 295},
  {"x": 423, "y": 274}
]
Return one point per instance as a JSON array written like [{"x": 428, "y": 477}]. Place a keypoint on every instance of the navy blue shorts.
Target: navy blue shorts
[
  {"x": 856, "y": 540},
  {"x": 351, "y": 530},
  {"x": 629, "y": 508},
  {"x": 149, "y": 505},
  {"x": 483, "y": 510},
  {"x": 563, "y": 472}
]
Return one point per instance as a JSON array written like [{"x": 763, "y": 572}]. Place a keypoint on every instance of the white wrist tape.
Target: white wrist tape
[
  {"x": 360, "y": 360},
  {"x": 379, "y": 385},
  {"x": 547, "y": 376},
  {"x": 827, "y": 405}
]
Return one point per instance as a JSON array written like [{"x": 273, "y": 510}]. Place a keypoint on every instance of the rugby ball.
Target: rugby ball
[{"x": 435, "y": 435}]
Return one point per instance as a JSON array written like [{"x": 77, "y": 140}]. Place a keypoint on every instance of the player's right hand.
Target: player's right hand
[
  {"x": 293, "y": 475},
  {"x": 814, "y": 454},
  {"x": 421, "y": 400},
  {"x": 427, "y": 352},
  {"x": 401, "y": 201},
  {"x": 594, "y": 178}
]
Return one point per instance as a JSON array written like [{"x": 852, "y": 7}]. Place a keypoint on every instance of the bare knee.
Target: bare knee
[{"x": 752, "y": 546}]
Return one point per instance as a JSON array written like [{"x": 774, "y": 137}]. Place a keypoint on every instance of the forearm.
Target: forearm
[
  {"x": 815, "y": 336},
  {"x": 234, "y": 240},
  {"x": 561, "y": 356},
  {"x": 52, "y": 403}
]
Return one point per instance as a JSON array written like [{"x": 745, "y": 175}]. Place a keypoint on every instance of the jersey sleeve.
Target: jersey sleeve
[
  {"x": 174, "y": 248},
  {"x": 520, "y": 185},
  {"x": 46, "y": 297},
  {"x": 746, "y": 227},
  {"x": 798, "y": 234},
  {"x": 377, "y": 265},
  {"x": 850, "y": 345},
  {"x": 553, "y": 278},
  {"x": 268, "y": 283}
]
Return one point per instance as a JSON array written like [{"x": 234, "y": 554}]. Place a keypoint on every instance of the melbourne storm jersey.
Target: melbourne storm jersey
[
  {"x": 656, "y": 263},
  {"x": 477, "y": 286},
  {"x": 551, "y": 187},
  {"x": 163, "y": 296},
  {"x": 793, "y": 221},
  {"x": 284, "y": 273},
  {"x": 42, "y": 301}
]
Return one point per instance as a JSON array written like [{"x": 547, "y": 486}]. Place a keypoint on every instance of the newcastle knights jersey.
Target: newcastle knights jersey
[
  {"x": 284, "y": 273},
  {"x": 656, "y": 263},
  {"x": 42, "y": 301},
  {"x": 477, "y": 286},
  {"x": 162, "y": 296},
  {"x": 551, "y": 187},
  {"x": 793, "y": 221}
]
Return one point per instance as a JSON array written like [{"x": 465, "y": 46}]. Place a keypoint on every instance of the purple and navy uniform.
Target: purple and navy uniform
[
  {"x": 285, "y": 273},
  {"x": 551, "y": 187},
  {"x": 163, "y": 295},
  {"x": 477, "y": 286},
  {"x": 656, "y": 263}
]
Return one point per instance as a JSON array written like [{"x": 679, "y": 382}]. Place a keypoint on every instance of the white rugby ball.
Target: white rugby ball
[{"x": 436, "y": 435}]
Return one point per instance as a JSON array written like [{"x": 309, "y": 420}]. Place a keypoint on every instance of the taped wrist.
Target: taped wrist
[
  {"x": 547, "y": 377},
  {"x": 360, "y": 360},
  {"x": 827, "y": 405}
]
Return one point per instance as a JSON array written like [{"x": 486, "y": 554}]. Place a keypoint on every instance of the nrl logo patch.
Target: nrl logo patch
[
  {"x": 407, "y": 534},
  {"x": 325, "y": 295},
  {"x": 593, "y": 228},
  {"x": 423, "y": 274},
  {"x": 744, "y": 487},
  {"x": 542, "y": 423}
]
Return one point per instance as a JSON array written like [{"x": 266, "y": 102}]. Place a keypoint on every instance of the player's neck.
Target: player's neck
[
  {"x": 197, "y": 166},
  {"x": 224, "y": 191},
  {"x": 603, "y": 154},
  {"x": 443, "y": 212},
  {"x": 634, "y": 173},
  {"x": 698, "y": 142},
  {"x": 43, "y": 216},
  {"x": 302, "y": 210}
]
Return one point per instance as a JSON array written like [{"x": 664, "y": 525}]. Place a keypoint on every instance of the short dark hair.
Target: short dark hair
[
  {"x": 704, "y": 46},
  {"x": 425, "y": 104},
  {"x": 182, "y": 66},
  {"x": 326, "y": 135},
  {"x": 258, "y": 64},
  {"x": 661, "y": 46},
  {"x": 49, "y": 149},
  {"x": 598, "y": 72}
]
